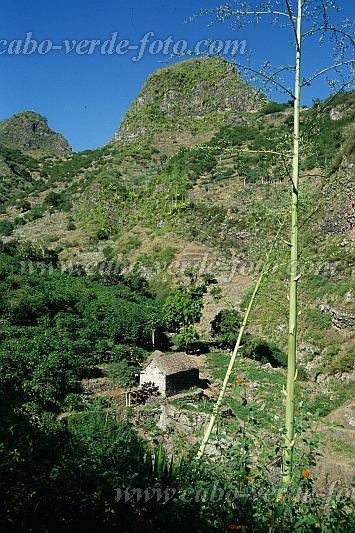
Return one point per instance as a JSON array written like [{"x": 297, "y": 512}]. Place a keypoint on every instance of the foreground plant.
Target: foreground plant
[{"x": 314, "y": 16}]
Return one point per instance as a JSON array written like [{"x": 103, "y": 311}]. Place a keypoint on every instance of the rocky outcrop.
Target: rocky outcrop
[
  {"x": 186, "y": 96},
  {"x": 29, "y": 131},
  {"x": 340, "y": 319},
  {"x": 338, "y": 192}
]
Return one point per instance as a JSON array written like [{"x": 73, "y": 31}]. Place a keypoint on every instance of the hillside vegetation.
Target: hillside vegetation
[
  {"x": 229, "y": 193},
  {"x": 155, "y": 241},
  {"x": 29, "y": 131},
  {"x": 192, "y": 96}
]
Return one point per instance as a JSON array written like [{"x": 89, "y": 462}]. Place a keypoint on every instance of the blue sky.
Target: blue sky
[{"x": 85, "y": 96}]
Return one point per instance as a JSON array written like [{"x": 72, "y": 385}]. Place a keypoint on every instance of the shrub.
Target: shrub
[
  {"x": 101, "y": 235},
  {"x": 186, "y": 338},
  {"x": 71, "y": 226},
  {"x": 122, "y": 353},
  {"x": 275, "y": 107},
  {"x": 131, "y": 243},
  {"x": 52, "y": 198},
  {"x": 343, "y": 362},
  {"x": 23, "y": 205},
  {"x": 19, "y": 221},
  {"x": 58, "y": 200},
  {"x": 35, "y": 213},
  {"x": 264, "y": 352},
  {"x": 6, "y": 227},
  {"x": 123, "y": 374},
  {"x": 108, "y": 252},
  {"x": 225, "y": 327},
  {"x": 316, "y": 317},
  {"x": 137, "y": 283}
]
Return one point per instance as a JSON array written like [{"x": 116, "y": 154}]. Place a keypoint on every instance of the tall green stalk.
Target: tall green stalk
[
  {"x": 228, "y": 372},
  {"x": 235, "y": 351},
  {"x": 292, "y": 333}
]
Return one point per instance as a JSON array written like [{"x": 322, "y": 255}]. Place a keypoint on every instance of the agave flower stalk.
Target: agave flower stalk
[
  {"x": 292, "y": 332},
  {"x": 235, "y": 351}
]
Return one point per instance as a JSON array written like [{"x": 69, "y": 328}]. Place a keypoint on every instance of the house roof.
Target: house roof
[
  {"x": 174, "y": 363},
  {"x": 154, "y": 355}
]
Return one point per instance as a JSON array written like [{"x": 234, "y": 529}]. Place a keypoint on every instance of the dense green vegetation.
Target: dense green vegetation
[
  {"x": 247, "y": 155},
  {"x": 58, "y": 327},
  {"x": 15, "y": 173},
  {"x": 63, "y": 474}
]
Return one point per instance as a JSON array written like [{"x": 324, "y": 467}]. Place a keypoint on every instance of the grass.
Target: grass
[
  {"x": 335, "y": 395},
  {"x": 344, "y": 448},
  {"x": 194, "y": 404},
  {"x": 263, "y": 386}
]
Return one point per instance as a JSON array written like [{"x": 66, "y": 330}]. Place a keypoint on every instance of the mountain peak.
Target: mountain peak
[
  {"x": 29, "y": 131},
  {"x": 193, "y": 95}
]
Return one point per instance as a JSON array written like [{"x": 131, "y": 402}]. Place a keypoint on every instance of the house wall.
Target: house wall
[
  {"x": 153, "y": 375},
  {"x": 181, "y": 380},
  {"x": 171, "y": 384}
]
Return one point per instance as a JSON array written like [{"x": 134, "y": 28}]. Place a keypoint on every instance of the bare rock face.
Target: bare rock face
[
  {"x": 30, "y": 131},
  {"x": 340, "y": 319},
  {"x": 338, "y": 192},
  {"x": 188, "y": 96}
]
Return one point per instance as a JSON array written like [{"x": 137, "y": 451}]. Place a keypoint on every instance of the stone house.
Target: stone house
[{"x": 170, "y": 373}]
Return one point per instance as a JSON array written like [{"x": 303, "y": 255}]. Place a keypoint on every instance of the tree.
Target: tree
[
  {"x": 186, "y": 337},
  {"x": 6, "y": 227},
  {"x": 305, "y": 19},
  {"x": 183, "y": 307},
  {"x": 23, "y": 205},
  {"x": 53, "y": 198}
]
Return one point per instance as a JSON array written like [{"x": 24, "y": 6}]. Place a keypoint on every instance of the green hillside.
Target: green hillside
[{"x": 155, "y": 241}]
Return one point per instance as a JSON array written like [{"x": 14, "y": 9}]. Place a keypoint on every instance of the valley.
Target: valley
[{"x": 191, "y": 193}]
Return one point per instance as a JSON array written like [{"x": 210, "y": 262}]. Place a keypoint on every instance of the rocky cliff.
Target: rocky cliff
[{"x": 338, "y": 193}]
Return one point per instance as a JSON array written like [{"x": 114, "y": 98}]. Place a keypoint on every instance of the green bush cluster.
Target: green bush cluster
[
  {"x": 15, "y": 174},
  {"x": 59, "y": 201},
  {"x": 275, "y": 107},
  {"x": 225, "y": 330},
  {"x": 157, "y": 261},
  {"x": 193, "y": 161},
  {"x": 318, "y": 319},
  {"x": 343, "y": 362},
  {"x": 225, "y": 327},
  {"x": 6, "y": 227},
  {"x": 59, "y": 326},
  {"x": 84, "y": 473},
  {"x": 264, "y": 352},
  {"x": 67, "y": 169}
]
